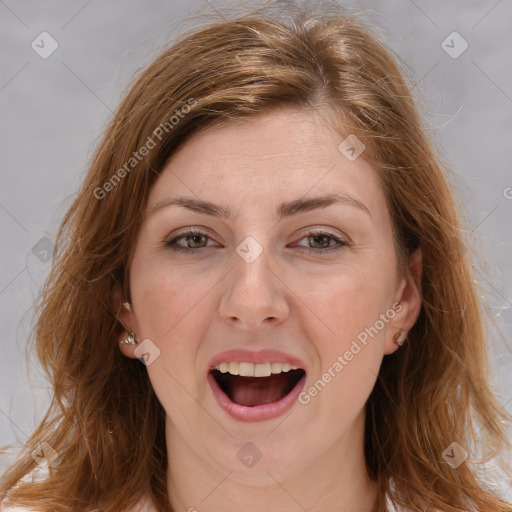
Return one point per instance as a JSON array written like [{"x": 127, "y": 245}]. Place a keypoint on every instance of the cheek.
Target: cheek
[
  {"x": 156, "y": 304},
  {"x": 349, "y": 343},
  {"x": 163, "y": 302},
  {"x": 167, "y": 313},
  {"x": 346, "y": 303},
  {"x": 352, "y": 310},
  {"x": 173, "y": 311}
]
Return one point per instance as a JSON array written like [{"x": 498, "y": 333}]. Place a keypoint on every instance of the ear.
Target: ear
[
  {"x": 408, "y": 295},
  {"x": 126, "y": 317}
]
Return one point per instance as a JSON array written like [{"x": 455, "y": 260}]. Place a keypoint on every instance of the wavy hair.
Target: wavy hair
[{"x": 105, "y": 421}]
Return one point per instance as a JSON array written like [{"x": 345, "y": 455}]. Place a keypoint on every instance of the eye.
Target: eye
[
  {"x": 323, "y": 239},
  {"x": 196, "y": 240}
]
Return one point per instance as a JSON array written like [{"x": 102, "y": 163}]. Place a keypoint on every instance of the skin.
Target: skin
[{"x": 308, "y": 304}]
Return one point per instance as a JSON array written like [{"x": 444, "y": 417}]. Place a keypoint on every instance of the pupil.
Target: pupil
[
  {"x": 321, "y": 237},
  {"x": 194, "y": 239}
]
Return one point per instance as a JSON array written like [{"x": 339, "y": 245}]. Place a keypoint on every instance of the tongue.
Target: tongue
[{"x": 251, "y": 391}]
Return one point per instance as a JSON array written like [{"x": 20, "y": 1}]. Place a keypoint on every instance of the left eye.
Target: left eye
[
  {"x": 321, "y": 238},
  {"x": 196, "y": 238}
]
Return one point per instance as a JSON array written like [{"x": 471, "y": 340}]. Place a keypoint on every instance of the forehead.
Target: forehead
[{"x": 287, "y": 153}]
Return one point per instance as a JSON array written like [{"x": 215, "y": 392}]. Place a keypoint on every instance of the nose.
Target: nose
[{"x": 255, "y": 296}]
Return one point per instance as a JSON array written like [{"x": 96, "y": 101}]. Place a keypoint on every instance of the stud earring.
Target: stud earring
[
  {"x": 127, "y": 306},
  {"x": 396, "y": 338},
  {"x": 130, "y": 340}
]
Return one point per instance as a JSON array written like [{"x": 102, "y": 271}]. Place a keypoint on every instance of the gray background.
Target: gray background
[{"x": 54, "y": 108}]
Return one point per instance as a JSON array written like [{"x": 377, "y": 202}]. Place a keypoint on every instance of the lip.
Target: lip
[
  {"x": 258, "y": 412},
  {"x": 240, "y": 355}
]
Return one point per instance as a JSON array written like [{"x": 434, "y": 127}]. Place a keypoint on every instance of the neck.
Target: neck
[{"x": 336, "y": 481}]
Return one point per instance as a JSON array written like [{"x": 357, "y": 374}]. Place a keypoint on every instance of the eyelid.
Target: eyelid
[
  {"x": 341, "y": 240},
  {"x": 189, "y": 231},
  {"x": 202, "y": 230},
  {"x": 323, "y": 230}
]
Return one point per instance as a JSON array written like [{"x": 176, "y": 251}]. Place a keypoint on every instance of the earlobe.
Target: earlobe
[
  {"x": 409, "y": 298},
  {"x": 124, "y": 313},
  {"x": 399, "y": 339},
  {"x": 396, "y": 341},
  {"x": 127, "y": 344}
]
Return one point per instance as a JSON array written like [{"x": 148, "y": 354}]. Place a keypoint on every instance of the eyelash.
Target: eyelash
[{"x": 171, "y": 244}]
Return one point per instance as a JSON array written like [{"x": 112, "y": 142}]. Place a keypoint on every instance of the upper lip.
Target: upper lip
[{"x": 267, "y": 355}]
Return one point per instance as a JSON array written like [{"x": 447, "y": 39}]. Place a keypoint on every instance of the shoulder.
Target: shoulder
[
  {"x": 390, "y": 507},
  {"x": 16, "y": 509},
  {"x": 144, "y": 505}
]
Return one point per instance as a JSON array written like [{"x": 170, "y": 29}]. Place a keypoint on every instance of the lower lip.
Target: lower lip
[{"x": 258, "y": 412}]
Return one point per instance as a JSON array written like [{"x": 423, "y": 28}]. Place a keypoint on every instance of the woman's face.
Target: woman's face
[{"x": 293, "y": 265}]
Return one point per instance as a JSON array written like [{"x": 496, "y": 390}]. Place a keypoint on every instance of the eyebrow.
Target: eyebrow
[{"x": 283, "y": 210}]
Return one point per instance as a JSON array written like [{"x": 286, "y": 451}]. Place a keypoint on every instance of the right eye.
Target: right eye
[{"x": 193, "y": 237}]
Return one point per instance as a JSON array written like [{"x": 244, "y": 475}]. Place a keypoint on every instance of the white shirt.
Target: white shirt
[{"x": 144, "y": 505}]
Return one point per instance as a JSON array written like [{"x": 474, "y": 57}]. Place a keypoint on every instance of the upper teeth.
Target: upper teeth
[{"x": 254, "y": 370}]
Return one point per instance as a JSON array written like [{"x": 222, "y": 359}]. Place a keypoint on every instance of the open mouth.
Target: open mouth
[{"x": 251, "y": 391}]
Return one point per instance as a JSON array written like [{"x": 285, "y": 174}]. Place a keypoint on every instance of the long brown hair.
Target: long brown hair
[{"x": 105, "y": 421}]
